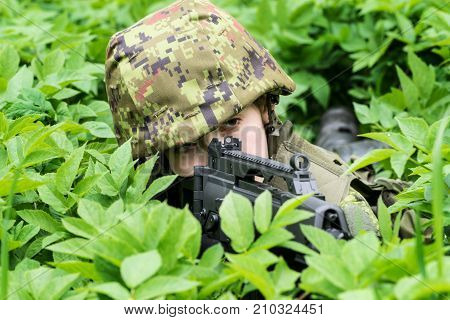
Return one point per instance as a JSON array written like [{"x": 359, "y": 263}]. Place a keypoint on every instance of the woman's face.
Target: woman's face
[{"x": 248, "y": 126}]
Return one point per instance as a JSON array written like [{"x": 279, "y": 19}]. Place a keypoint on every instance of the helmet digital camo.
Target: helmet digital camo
[{"x": 176, "y": 74}]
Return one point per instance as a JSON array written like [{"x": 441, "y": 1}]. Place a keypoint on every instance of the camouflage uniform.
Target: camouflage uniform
[{"x": 176, "y": 74}]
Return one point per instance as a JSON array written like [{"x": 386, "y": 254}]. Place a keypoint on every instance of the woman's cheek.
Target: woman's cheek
[{"x": 182, "y": 163}]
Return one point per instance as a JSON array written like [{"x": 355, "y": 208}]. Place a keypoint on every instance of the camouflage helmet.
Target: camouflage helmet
[{"x": 178, "y": 73}]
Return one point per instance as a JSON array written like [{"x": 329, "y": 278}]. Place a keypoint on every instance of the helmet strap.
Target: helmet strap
[{"x": 274, "y": 125}]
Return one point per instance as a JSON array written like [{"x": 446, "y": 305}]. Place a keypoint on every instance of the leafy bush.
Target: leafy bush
[{"x": 78, "y": 218}]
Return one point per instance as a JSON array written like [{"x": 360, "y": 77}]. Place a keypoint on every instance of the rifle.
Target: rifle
[{"x": 230, "y": 169}]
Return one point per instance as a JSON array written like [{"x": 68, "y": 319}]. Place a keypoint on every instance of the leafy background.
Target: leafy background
[{"x": 78, "y": 219}]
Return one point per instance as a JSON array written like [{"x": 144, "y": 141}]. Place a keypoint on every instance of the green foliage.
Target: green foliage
[
  {"x": 344, "y": 52},
  {"x": 366, "y": 269},
  {"x": 78, "y": 219}
]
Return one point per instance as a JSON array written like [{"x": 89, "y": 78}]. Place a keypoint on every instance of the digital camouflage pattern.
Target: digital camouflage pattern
[
  {"x": 176, "y": 74},
  {"x": 358, "y": 213}
]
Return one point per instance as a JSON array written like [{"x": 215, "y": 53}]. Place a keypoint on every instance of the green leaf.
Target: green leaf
[
  {"x": 3, "y": 84},
  {"x": 263, "y": 13},
  {"x": 370, "y": 158},
  {"x": 48, "y": 240},
  {"x": 423, "y": 76},
  {"x": 26, "y": 233},
  {"x": 398, "y": 162},
  {"x": 160, "y": 286},
  {"x": 139, "y": 267},
  {"x": 99, "y": 129},
  {"x": 320, "y": 90},
  {"x": 26, "y": 181},
  {"x": 3, "y": 157},
  {"x": 52, "y": 286},
  {"x": 96, "y": 155},
  {"x": 54, "y": 198},
  {"x": 40, "y": 156},
  {"x": 284, "y": 278},
  {"x": 192, "y": 233},
  {"x": 112, "y": 289},
  {"x": 80, "y": 111},
  {"x": 143, "y": 173},
  {"x": 85, "y": 269},
  {"x": 254, "y": 272},
  {"x": 272, "y": 238},
  {"x": 14, "y": 147},
  {"x": 53, "y": 62},
  {"x": 212, "y": 257},
  {"x": 67, "y": 172},
  {"x": 156, "y": 225},
  {"x": 3, "y": 124},
  {"x": 172, "y": 240},
  {"x": 291, "y": 218},
  {"x": 314, "y": 281},
  {"x": 75, "y": 246},
  {"x": 384, "y": 218},
  {"x": 9, "y": 61},
  {"x": 321, "y": 240},
  {"x": 394, "y": 100},
  {"x": 85, "y": 185},
  {"x": 360, "y": 252},
  {"x": 358, "y": 294},
  {"x": 20, "y": 125},
  {"x": 102, "y": 109},
  {"x": 393, "y": 139},
  {"x": 34, "y": 247},
  {"x": 113, "y": 250},
  {"x": 22, "y": 79},
  {"x": 65, "y": 93},
  {"x": 410, "y": 91},
  {"x": 236, "y": 221},
  {"x": 119, "y": 163},
  {"x": 263, "y": 211},
  {"x": 298, "y": 247},
  {"x": 41, "y": 219},
  {"x": 333, "y": 269},
  {"x": 406, "y": 27},
  {"x": 282, "y": 13},
  {"x": 415, "y": 129},
  {"x": 432, "y": 133},
  {"x": 222, "y": 281},
  {"x": 157, "y": 186},
  {"x": 79, "y": 227},
  {"x": 363, "y": 113},
  {"x": 288, "y": 213},
  {"x": 264, "y": 257},
  {"x": 93, "y": 213},
  {"x": 383, "y": 112},
  {"x": 106, "y": 183},
  {"x": 41, "y": 135}
]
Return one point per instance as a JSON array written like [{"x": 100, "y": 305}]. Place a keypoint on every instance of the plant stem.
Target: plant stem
[
  {"x": 4, "y": 247},
  {"x": 437, "y": 191},
  {"x": 419, "y": 244}
]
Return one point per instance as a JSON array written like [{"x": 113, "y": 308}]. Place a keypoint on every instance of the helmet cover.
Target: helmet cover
[{"x": 178, "y": 73}]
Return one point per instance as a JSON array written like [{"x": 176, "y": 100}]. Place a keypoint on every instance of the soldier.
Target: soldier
[{"x": 190, "y": 72}]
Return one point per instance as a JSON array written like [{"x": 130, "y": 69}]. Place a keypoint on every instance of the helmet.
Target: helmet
[{"x": 178, "y": 73}]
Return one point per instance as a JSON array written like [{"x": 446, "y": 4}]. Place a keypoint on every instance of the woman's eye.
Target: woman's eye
[
  {"x": 230, "y": 124},
  {"x": 185, "y": 147}
]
